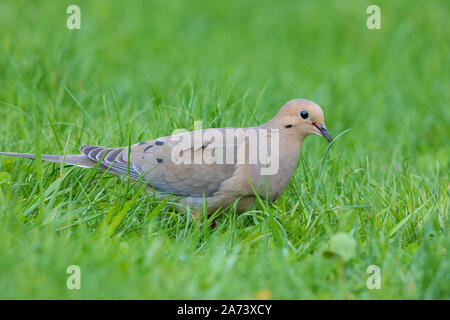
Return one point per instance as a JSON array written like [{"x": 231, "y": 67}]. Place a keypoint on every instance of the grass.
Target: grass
[{"x": 138, "y": 70}]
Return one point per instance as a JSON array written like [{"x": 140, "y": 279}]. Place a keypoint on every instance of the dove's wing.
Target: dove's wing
[{"x": 168, "y": 165}]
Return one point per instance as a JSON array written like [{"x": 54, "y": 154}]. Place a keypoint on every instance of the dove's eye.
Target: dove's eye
[{"x": 304, "y": 114}]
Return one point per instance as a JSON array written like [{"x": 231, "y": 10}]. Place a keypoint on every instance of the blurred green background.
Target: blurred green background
[{"x": 141, "y": 69}]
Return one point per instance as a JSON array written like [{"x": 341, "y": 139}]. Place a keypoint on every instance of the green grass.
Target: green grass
[{"x": 140, "y": 69}]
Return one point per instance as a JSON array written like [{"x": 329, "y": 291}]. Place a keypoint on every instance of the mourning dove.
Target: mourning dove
[{"x": 213, "y": 166}]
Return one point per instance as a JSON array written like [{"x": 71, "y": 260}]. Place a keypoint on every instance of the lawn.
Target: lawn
[{"x": 138, "y": 70}]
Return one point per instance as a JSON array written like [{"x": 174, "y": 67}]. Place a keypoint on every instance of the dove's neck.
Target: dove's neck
[
  {"x": 289, "y": 141},
  {"x": 289, "y": 145}
]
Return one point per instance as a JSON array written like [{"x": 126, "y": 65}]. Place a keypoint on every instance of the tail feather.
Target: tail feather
[{"x": 75, "y": 160}]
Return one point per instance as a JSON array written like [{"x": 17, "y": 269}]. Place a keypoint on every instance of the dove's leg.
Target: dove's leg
[
  {"x": 245, "y": 204},
  {"x": 213, "y": 203}
]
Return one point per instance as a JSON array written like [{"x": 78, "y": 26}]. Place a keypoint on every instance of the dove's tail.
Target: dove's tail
[{"x": 74, "y": 160}]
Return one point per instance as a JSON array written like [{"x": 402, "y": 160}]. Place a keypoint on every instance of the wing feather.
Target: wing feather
[{"x": 152, "y": 162}]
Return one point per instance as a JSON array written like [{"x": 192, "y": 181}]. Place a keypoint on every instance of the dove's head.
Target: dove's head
[{"x": 301, "y": 117}]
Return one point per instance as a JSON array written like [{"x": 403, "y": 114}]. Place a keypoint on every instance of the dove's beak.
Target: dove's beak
[{"x": 323, "y": 132}]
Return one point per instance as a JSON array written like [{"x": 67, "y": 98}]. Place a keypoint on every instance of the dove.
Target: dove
[{"x": 212, "y": 169}]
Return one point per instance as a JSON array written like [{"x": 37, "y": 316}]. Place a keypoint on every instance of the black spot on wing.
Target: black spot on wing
[
  {"x": 159, "y": 143},
  {"x": 147, "y": 148}
]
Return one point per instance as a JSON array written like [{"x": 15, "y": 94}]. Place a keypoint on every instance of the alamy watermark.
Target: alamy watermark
[
  {"x": 374, "y": 281},
  {"x": 74, "y": 280},
  {"x": 74, "y": 20},
  {"x": 374, "y": 20}
]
